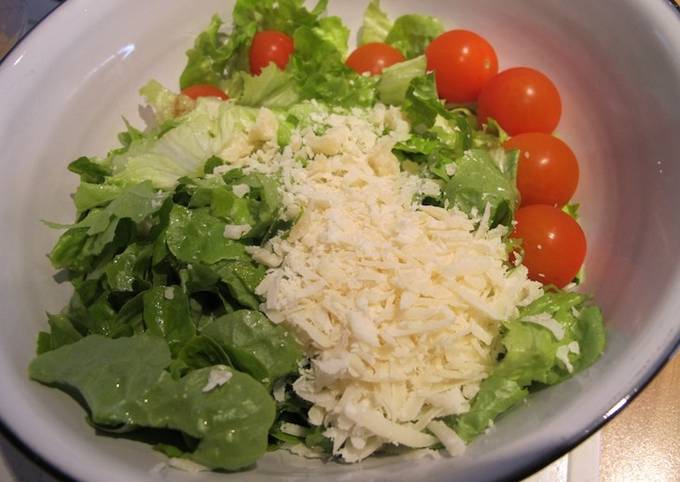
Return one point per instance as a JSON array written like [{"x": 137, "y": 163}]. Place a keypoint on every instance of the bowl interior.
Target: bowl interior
[{"x": 71, "y": 80}]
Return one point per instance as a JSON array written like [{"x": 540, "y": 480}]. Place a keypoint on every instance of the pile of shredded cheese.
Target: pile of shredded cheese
[{"x": 397, "y": 304}]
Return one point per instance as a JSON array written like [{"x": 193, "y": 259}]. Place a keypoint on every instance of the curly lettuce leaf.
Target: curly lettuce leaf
[
  {"x": 273, "y": 88},
  {"x": 333, "y": 31},
  {"x": 319, "y": 68},
  {"x": 204, "y": 132},
  {"x": 396, "y": 79},
  {"x": 411, "y": 34},
  {"x": 215, "y": 56},
  {"x": 376, "y": 24},
  {"x": 532, "y": 356}
]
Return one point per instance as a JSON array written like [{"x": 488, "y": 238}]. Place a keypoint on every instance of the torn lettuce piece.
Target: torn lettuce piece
[
  {"x": 376, "y": 24},
  {"x": 216, "y": 56},
  {"x": 209, "y": 129},
  {"x": 535, "y": 356},
  {"x": 410, "y": 34},
  {"x": 123, "y": 382},
  {"x": 480, "y": 181},
  {"x": 256, "y": 345},
  {"x": 395, "y": 80}
]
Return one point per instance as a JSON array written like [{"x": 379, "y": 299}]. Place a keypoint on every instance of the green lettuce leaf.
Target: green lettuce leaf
[
  {"x": 480, "y": 180},
  {"x": 256, "y": 345},
  {"x": 88, "y": 196},
  {"x": 333, "y": 31},
  {"x": 376, "y": 24},
  {"x": 395, "y": 80},
  {"x": 319, "y": 68},
  {"x": 129, "y": 267},
  {"x": 162, "y": 100},
  {"x": 530, "y": 358},
  {"x": 411, "y": 34},
  {"x": 90, "y": 170},
  {"x": 209, "y": 56},
  {"x": 273, "y": 88},
  {"x": 216, "y": 56},
  {"x": 123, "y": 382},
  {"x": 61, "y": 333},
  {"x": 197, "y": 236},
  {"x": 110, "y": 375},
  {"x": 183, "y": 151},
  {"x": 167, "y": 314}
]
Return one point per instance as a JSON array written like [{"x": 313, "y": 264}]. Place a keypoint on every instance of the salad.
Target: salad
[{"x": 329, "y": 252}]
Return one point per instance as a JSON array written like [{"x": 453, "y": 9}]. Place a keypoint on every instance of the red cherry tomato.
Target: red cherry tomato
[
  {"x": 548, "y": 169},
  {"x": 270, "y": 46},
  {"x": 204, "y": 90},
  {"x": 373, "y": 58},
  {"x": 521, "y": 100},
  {"x": 554, "y": 244},
  {"x": 463, "y": 62}
]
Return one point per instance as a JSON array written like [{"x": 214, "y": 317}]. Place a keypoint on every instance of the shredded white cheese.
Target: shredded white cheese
[
  {"x": 240, "y": 190},
  {"x": 218, "y": 376},
  {"x": 397, "y": 304},
  {"x": 236, "y": 231},
  {"x": 450, "y": 439}
]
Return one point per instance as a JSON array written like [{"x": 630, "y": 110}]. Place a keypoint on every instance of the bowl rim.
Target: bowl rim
[{"x": 532, "y": 466}]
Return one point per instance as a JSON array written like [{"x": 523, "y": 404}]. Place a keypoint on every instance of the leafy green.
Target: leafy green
[
  {"x": 208, "y": 57},
  {"x": 480, "y": 180},
  {"x": 319, "y": 68},
  {"x": 234, "y": 418},
  {"x": 216, "y": 56},
  {"x": 241, "y": 278},
  {"x": 496, "y": 396},
  {"x": 123, "y": 382},
  {"x": 333, "y": 31},
  {"x": 90, "y": 170},
  {"x": 530, "y": 356},
  {"x": 197, "y": 236},
  {"x": 395, "y": 80},
  {"x": 61, "y": 333},
  {"x": 89, "y": 196},
  {"x": 162, "y": 100},
  {"x": 273, "y": 88},
  {"x": 376, "y": 24},
  {"x": 183, "y": 151},
  {"x": 411, "y": 34},
  {"x": 128, "y": 267},
  {"x": 167, "y": 314},
  {"x": 256, "y": 345},
  {"x": 110, "y": 375}
]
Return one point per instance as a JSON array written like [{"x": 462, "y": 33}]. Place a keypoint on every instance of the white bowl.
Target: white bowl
[{"x": 616, "y": 63}]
